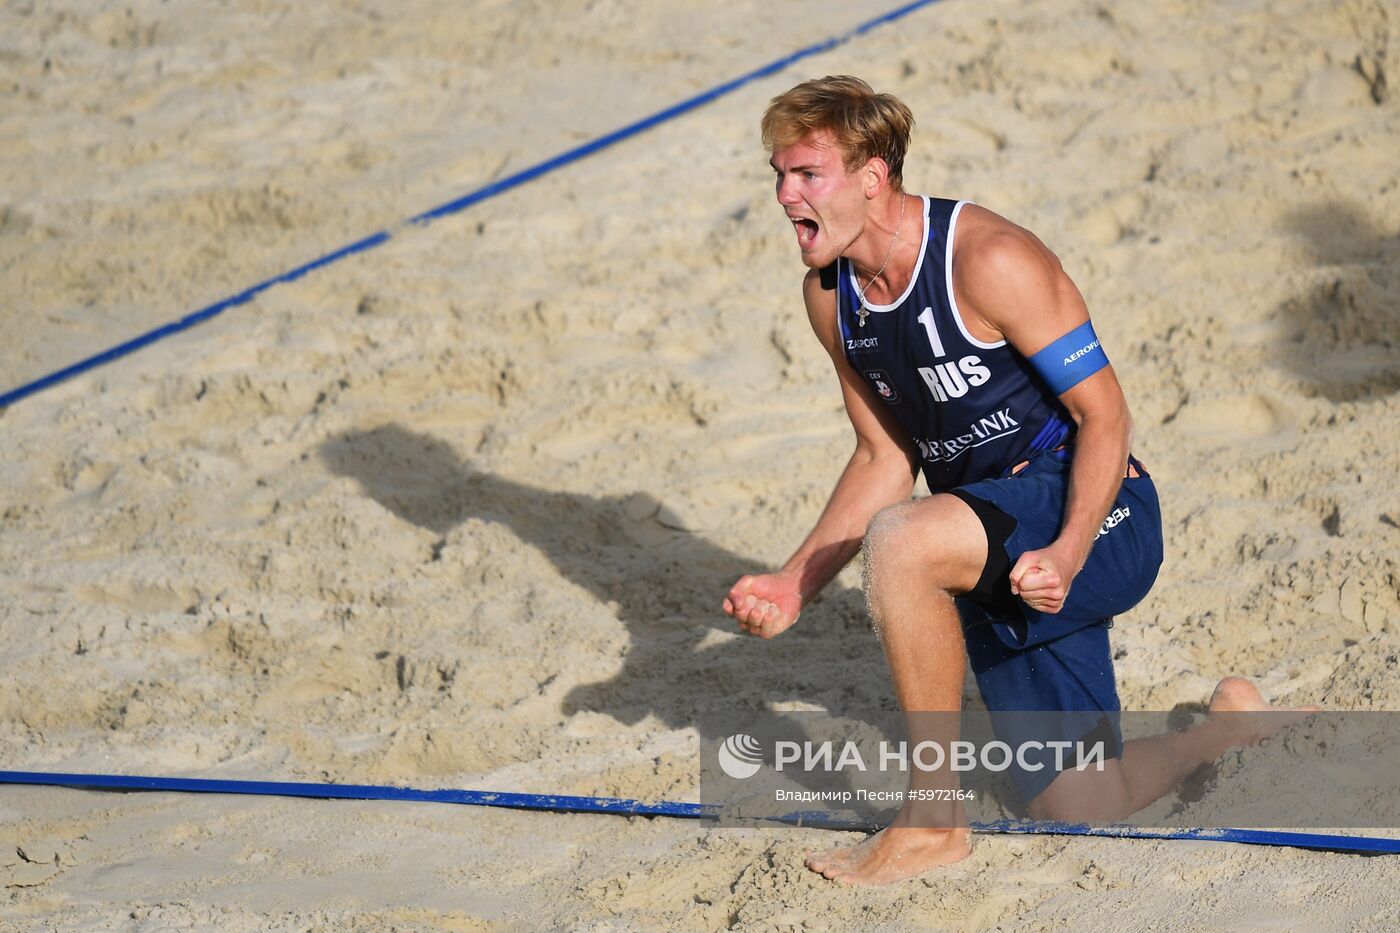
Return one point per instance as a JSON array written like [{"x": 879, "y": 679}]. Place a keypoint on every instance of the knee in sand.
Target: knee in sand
[{"x": 881, "y": 544}]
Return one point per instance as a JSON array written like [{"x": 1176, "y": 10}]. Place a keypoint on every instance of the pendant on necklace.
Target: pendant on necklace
[{"x": 863, "y": 312}]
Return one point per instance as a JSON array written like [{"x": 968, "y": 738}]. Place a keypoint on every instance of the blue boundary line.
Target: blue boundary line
[
  {"x": 459, "y": 204},
  {"x": 558, "y": 803}
]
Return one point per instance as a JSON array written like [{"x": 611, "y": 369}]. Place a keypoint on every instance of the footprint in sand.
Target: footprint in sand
[
  {"x": 1231, "y": 417},
  {"x": 140, "y": 597}
]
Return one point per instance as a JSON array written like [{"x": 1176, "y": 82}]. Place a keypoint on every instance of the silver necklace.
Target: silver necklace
[{"x": 864, "y": 310}]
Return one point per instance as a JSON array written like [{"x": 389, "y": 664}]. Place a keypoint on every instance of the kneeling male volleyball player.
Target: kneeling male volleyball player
[{"x": 963, "y": 349}]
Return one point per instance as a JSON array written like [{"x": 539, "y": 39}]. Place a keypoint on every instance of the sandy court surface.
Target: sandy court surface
[{"x": 460, "y": 511}]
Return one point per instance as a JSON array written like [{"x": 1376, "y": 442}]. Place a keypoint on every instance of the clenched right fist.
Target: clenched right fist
[{"x": 765, "y": 604}]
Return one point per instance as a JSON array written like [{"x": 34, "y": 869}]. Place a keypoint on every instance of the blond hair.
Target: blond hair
[{"x": 865, "y": 125}]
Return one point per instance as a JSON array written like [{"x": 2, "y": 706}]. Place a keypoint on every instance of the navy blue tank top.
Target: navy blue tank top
[{"x": 973, "y": 409}]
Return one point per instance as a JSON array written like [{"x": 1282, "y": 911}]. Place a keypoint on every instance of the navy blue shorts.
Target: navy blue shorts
[{"x": 1034, "y": 661}]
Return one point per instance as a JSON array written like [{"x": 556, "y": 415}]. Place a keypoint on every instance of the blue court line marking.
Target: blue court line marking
[
  {"x": 556, "y": 803},
  {"x": 188, "y": 321},
  {"x": 459, "y": 204}
]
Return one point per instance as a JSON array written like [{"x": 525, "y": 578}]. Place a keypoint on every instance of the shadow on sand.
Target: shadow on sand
[
  {"x": 1343, "y": 336},
  {"x": 667, "y": 586}
]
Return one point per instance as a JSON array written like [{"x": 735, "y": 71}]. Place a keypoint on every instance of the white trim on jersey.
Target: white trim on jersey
[
  {"x": 948, "y": 274},
  {"x": 918, "y": 267}
]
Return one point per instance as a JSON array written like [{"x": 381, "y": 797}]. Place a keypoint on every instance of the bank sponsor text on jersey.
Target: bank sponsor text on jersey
[{"x": 984, "y": 430}]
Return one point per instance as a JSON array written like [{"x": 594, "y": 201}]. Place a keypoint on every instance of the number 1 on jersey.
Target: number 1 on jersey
[{"x": 926, "y": 319}]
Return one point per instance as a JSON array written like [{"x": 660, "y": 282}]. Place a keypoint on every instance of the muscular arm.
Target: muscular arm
[
  {"x": 880, "y": 472},
  {"x": 1009, "y": 282}
]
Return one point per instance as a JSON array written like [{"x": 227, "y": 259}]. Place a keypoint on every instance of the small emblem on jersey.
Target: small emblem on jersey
[
  {"x": 861, "y": 344},
  {"x": 882, "y": 385}
]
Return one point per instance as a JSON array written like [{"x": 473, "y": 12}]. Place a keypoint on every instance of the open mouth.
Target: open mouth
[{"x": 806, "y": 231}]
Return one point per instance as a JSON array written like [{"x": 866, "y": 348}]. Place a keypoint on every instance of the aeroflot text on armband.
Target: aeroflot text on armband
[{"x": 1080, "y": 352}]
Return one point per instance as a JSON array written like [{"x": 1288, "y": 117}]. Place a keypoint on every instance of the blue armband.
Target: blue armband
[{"x": 1071, "y": 359}]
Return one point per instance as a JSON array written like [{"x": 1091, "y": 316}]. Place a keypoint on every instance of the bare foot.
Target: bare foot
[
  {"x": 1237, "y": 695},
  {"x": 895, "y": 853}
]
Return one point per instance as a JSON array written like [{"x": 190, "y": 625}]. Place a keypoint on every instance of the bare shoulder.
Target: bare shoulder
[
  {"x": 990, "y": 250},
  {"x": 1001, "y": 270},
  {"x": 821, "y": 309}
]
